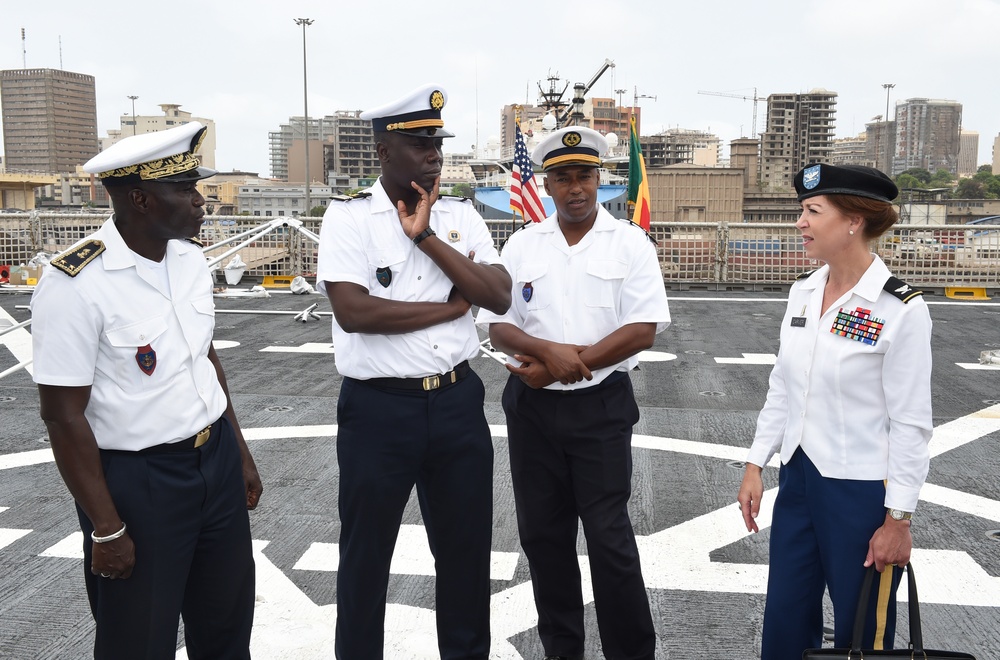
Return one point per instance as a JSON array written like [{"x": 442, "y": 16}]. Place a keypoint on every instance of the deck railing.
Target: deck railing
[{"x": 692, "y": 255}]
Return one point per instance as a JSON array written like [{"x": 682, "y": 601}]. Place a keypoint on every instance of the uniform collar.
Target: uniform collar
[
  {"x": 380, "y": 202},
  {"x": 118, "y": 255},
  {"x": 868, "y": 287}
]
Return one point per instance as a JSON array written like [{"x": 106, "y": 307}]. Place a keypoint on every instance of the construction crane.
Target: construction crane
[
  {"x": 579, "y": 91},
  {"x": 753, "y": 98},
  {"x": 636, "y": 96}
]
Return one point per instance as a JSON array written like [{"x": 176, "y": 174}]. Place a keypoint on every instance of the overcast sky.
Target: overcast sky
[{"x": 239, "y": 62}]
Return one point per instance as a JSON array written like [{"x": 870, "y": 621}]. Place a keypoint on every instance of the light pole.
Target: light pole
[
  {"x": 304, "y": 22},
  {"x": 133, "y": 112},
  {"x": 887, "y": 87}
]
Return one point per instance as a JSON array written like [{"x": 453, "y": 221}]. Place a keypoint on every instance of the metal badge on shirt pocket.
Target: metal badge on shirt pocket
[
  {"x": 384, "y": 276},
  {"x": 145, "y": 357},
  {"x": 858, "y": 325}
]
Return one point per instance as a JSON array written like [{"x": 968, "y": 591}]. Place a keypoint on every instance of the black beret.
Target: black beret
[{"x": 823, "y": 179}]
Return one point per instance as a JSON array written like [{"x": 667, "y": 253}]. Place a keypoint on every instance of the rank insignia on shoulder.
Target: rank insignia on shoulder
[
  {"x": 74, "y": 260},
  {"x": 802, "y": 276},
  {"x": 347, "y": 198},
  {"x": 901, "y": 289},
  {"x": 196, "y": 241}
]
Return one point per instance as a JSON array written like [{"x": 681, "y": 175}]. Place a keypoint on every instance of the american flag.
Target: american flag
[{"x": 524, "y": 196}]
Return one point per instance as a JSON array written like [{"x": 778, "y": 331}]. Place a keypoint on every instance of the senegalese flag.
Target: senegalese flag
[{"x": 638, "y": 183}]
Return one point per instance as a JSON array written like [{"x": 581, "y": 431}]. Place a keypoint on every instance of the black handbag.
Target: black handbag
[{"x": 916, "y": 649}]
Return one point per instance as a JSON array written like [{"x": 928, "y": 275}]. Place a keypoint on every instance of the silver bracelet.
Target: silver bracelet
[{"x": 110, "y": 537}]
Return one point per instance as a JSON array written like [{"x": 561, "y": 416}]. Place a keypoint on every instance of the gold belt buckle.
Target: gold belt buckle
[
  {"x": 202, "y": 436},
  {"x": 431, "y": 383}
]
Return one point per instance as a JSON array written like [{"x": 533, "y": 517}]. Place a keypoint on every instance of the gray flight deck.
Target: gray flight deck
[{"x": 705, "y": 575}]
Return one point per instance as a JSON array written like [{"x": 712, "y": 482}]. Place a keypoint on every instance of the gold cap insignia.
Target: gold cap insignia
[
  {"x": 437, "y": 100},
  {"x": 571, "y": 139}
]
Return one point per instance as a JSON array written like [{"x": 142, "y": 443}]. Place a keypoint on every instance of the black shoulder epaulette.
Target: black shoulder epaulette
[
  {"x": 347, "y": 198},
  {"x": 457, "y": 198},
  {"x": 802, "y": 276},
  {"x": 901, "y": 289},
  {"x": 523, "y": 225},
  {"x": 648, "y": 235},
  {"x": 196, "y": 241},
  {"x": 72, "y": 261}
]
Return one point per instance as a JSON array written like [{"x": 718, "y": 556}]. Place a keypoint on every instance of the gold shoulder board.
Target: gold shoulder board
[{"x": 74, "y": 260}]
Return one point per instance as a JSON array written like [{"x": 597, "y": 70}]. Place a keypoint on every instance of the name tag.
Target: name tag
[{"x": 798, "y": 321}]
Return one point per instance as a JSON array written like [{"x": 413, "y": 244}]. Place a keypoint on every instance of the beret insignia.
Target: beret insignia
[
  {"x": 74, "y": 260},
  {"x": 572, "y": 139},
  {"x": 437, "y": 100},
  {"x": 810, "y": 177}
]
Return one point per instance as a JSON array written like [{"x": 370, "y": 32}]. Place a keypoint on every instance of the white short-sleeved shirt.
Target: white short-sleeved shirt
[
  {"x": 859, "y": 409},
  {"x": 91, "y": 329},
  {"x": 582, "y": 293},
  {"x": 362, "y": 242}
]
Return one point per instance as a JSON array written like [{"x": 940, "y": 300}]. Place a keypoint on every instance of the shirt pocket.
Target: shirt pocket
[
  {"x": 135, "y": 365},
  {"x": 604, "y": 281},
  {"x": 385, "y": 267},
  {"x": 199, "y": 327},
  {"x": 534, "y": 285}
]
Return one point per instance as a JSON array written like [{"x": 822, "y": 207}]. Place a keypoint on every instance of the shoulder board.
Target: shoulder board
[
  {"x": 73, "y": 261},
  {"x": 347, "y": 198},
  {"x": 648, "y": 235},
  {"x": 195, "y": 240},
  {"x": 523, "y": 225},
  {"x": 802, "y": 276},
  {"x": 901, "y": 289},
  {"x": 457, "y": 198}
]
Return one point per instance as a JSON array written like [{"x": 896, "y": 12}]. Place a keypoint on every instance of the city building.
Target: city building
[
  {"x": 744, "y": 155},
  {"x": 880, "y": 144},
  {"x": 679, "y": 145},
  {"x": 799, "y": 131},
  {"x": 456, "y": 169},
  {"x": 49, "y": 120},
  {"x": 18, "y": 191},
  {"x": 172, "y": 116},
  {"x": 341, "y": 150},
  {"x": 268, "y": 200},
  {"x": 968, "y": 152},
  {"x": 851, "y": 151},
  {"x": 927, "y": 135},
  {"x": 996, "y": 155},
  {"x": 221, "y": 190},
  {"x": 690, "y": 193}
]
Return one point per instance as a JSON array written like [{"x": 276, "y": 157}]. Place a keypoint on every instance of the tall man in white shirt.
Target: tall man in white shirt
[
  {"x": 401, "y": 269},
  {"x": 142, "y": 429},
  {"x": 588, "y": 297}
]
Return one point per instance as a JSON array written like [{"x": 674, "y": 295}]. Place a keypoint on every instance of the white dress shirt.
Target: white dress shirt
[
  {"x": 363, "y": 235},
  {"x": 88, "y": 329},
  {"x": 580, "y": 294},
  {"x": 858, "y": 410}
]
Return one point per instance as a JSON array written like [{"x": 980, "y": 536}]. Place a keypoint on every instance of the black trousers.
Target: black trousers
[
  {"x": 570, "y": 459},
  {"x": 389, "y": 440},
  {"x": 186, "y": 513}
]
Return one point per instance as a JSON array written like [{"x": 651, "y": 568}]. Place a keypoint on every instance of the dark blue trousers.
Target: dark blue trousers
[
  {"x": 186, "y": 513},
  {"x": 819, "y": 538},
  {"x": 389, "y": 440},
  {"x": 571, "y": 461}
]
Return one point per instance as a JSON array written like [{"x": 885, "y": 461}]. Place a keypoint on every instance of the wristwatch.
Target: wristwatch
[
  {"x": 896, "y": 514},
  {"x": 422, "y": 235}
]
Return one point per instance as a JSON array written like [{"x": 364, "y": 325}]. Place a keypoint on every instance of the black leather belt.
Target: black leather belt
[
  {"x": 187, "y": 444},
  {"x": 427, "y": 383}
]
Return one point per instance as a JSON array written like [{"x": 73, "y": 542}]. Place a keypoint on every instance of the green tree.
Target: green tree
[
  {"x": 942, "y": 179},
  {"x": 462, "y": 189},
  {"x": 905, "y": 180},
  {"x": 919, "y": 173},
  {"x": 317, "y": 211},
  {"x": 970, "y": 189}
]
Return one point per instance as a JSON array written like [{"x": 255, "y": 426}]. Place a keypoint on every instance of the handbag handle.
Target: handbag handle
[{"x": 916, "y": 635}]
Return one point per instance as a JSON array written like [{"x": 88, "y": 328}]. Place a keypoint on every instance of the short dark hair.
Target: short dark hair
[{"x": 879, "y": 216}]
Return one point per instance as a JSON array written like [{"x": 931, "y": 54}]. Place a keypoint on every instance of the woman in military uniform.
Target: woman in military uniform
[{"x": 849, "y": 411}]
